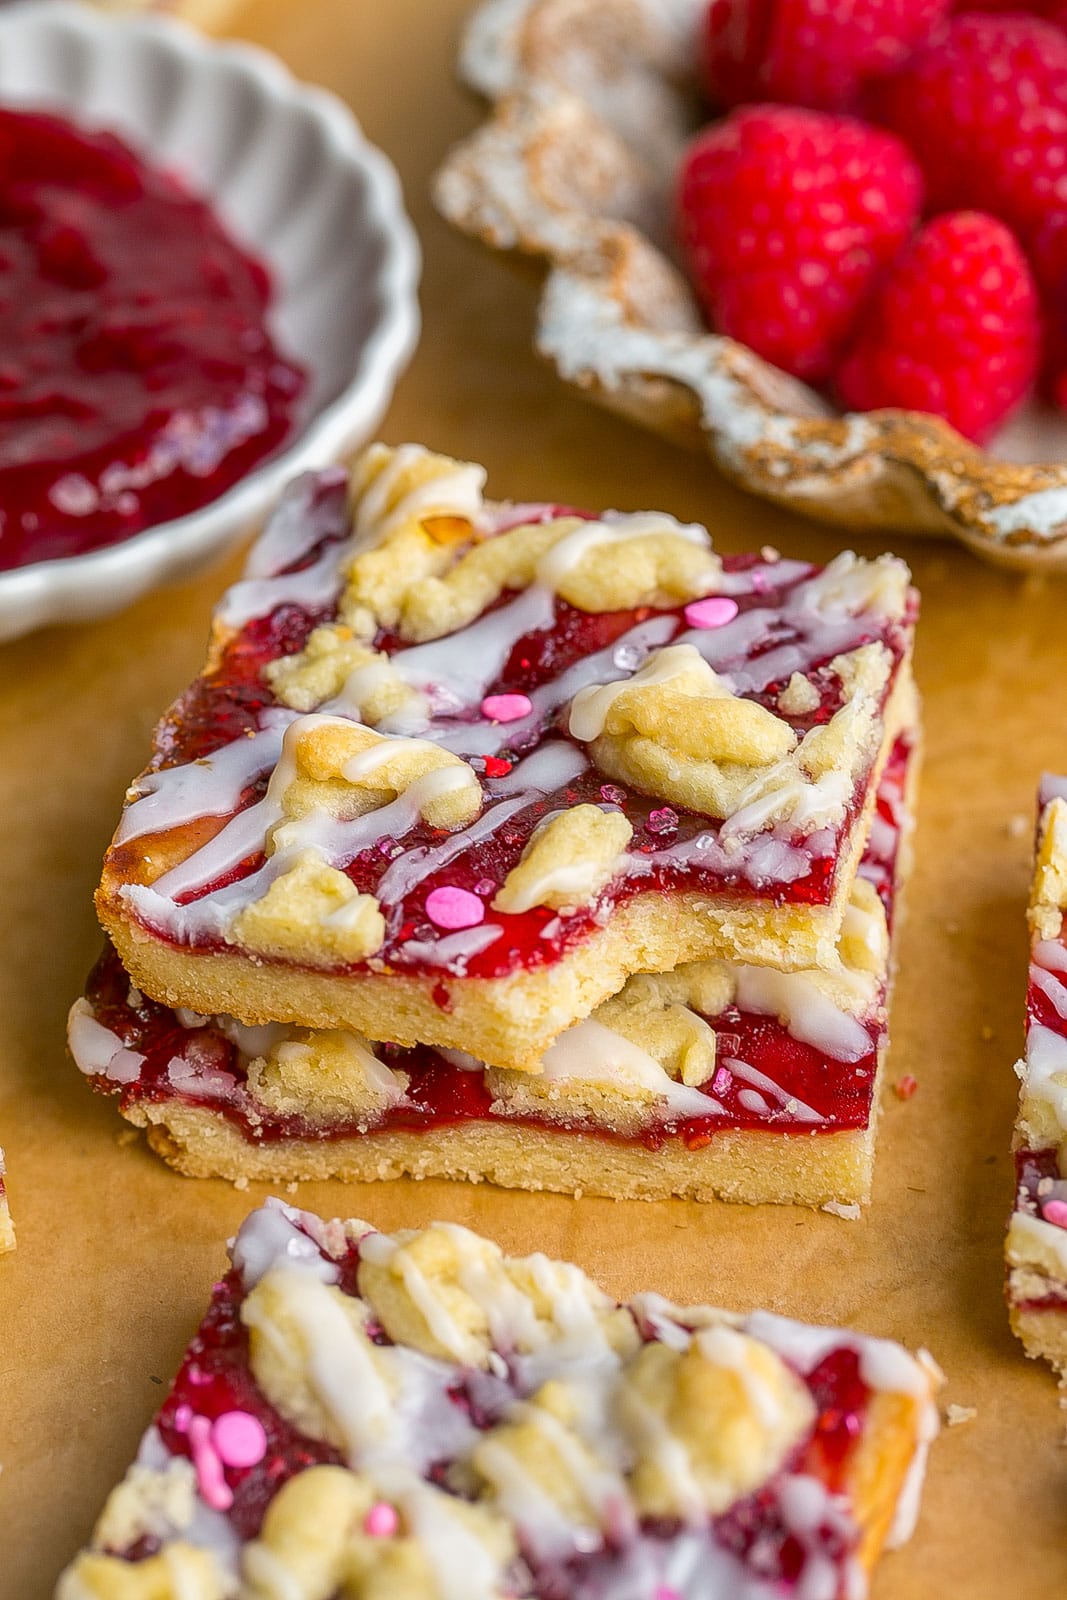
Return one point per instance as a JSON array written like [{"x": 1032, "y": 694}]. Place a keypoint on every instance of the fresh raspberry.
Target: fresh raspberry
[
  {"x": 787, "y": 217},
  {"x": 954, "y": 328},
  {"x": 984, "y": 108},
  {"x": 815, "y": 53}
]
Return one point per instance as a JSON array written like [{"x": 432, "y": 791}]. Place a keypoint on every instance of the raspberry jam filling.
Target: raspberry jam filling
[
  {"x": 138, "y": 380},
  {"x": 811, "y": 1092},
  {"x": 771, "y": 1545},
  {"x": 672, "y": 850}
]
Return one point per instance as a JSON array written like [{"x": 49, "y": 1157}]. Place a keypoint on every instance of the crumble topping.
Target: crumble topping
[{"x": 569, "y": 859}]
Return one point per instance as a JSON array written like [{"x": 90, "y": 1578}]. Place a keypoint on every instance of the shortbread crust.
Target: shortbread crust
[
  {"x": 715, "y": 1079},
  {"x": 419, "y": 1415},
  {"x": 1036, "y": 1248},
  {"x": 765, "y": 690}
]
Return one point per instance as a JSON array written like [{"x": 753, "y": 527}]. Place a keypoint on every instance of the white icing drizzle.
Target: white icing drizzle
[
  {"x": 1031, "y": 1238},
  {"x": 316, "y": 588},
  {"x": 1046, "y": 1071},
  {"x": 453, "y": 950},
  {"x": 591, "y": 1053},
  {"x": 456, "y": 492},
  {"x": 454, "y": 672},
  {"x": 590, "y": 708},
  {"x": 462, "y": 1566},
  {"x": 798, "y": 1110},
  {"x": 552, "y": 766},
  {"x": 293, "y": 530},
  {"x": 1050, "y": 954},
  {"x": 189, "y": 1075},
  {"x": 883, "y": 1366},
  {"x": 804, "y": 1009},
  {"x": 241, "y": 837},
  {"x": 409, "y": 869},
  {"x": 275, "y": 1235},
  {"x": 97, "y": 1051},
  {"x": 614, "y": 527},
  {"x": 1051, "y": 987},
  {"x": 210, "y": 787}
]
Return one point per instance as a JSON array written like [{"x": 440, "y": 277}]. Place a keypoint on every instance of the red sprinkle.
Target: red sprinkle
[{"x": 905, "y": 1087}]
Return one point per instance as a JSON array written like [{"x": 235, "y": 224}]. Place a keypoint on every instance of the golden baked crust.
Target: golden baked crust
[
  {"x": 473, "y": 1405},
  {"x": 749, "y": 1167}
]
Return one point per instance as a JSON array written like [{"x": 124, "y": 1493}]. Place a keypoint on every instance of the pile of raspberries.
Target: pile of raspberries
[{"x": 882, "y": 208}]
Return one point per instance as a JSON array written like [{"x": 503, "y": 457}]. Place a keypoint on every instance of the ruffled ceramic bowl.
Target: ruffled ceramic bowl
[
  {"x": 592, "y": 102},
  {"x": 289, "y": 171}
]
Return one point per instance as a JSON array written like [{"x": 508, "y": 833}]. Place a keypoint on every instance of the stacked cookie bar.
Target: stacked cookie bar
[
  {"x": 502, "y": 841},
  {"x": 1037, "y": 1233},
  {"x": 389, "y": 1416}
]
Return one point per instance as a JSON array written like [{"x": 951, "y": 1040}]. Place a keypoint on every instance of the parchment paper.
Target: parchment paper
[{"x": 116, "y": 1253}]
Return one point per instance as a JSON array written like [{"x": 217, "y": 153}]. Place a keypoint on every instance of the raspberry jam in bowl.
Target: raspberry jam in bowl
[{"x": 207, "y": 283}]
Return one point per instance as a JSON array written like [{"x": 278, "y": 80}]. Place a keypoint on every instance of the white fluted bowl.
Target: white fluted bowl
[{"x": 289, "y": 172}]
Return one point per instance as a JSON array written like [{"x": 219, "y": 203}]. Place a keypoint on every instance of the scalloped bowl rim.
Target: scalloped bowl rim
[{"x": 76, "y": 588}]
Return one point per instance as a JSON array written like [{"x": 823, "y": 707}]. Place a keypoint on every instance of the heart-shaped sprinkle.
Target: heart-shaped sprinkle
[
  {"x": 714, "y": 612},
  {"x": 239, "y": 1439},
  {"x": 454, "y": 908},
  {"x": 506, "y": 707}
]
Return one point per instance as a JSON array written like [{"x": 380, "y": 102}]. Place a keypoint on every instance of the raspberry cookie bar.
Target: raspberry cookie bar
[
  {"x": 420, "y": 1415},
  {"x": 456, "y": 769},
  {"x": 7, "y": 1227},
  {"x": 1037, "y": 1234},
  {"x": 718, "y": 1078}
]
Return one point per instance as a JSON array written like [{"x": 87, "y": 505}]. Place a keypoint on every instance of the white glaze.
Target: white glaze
[
  {"x": 804, "y": 1010},
  {"x": 591, "y": 1053},
  {"x": 96, "y": 1050}
]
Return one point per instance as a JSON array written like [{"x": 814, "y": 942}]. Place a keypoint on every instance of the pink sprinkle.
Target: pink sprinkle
[
  {"x": 182, "y": 1418},
  {"x": 506, "y": 707},
  {"x": 454, "y": 908},
  {"x": 662, "y": 821},
  {"x": 714, "y": 612},
  {"x": 1055, "y": 1211},
  {"x": 612, "y": 794},
  {"x": 239, "y": 1438},
  {"x": 209, "y": 1479},
  {"x": 381, "y": 1521},
  {"x": 722, "y": 1080}
]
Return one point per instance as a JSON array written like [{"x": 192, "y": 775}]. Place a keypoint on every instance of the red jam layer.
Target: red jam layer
[
  {"x": 215, "y": 1377},
  {"x": 138, "y": 379},
  {"x": 222, "y": 706},
  {"x": 442, "y": 1095}
]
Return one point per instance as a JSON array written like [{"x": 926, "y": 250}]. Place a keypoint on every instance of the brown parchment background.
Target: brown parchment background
[{"x": 116, "y": 1253}]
